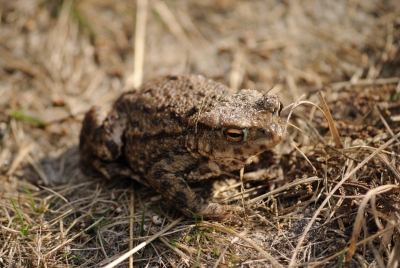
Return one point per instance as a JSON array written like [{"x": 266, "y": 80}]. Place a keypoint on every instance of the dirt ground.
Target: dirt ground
[{"x": 332, "y": 198}]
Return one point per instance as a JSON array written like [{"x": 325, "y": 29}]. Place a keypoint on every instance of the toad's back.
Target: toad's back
[{"x": 165, "y": 105}]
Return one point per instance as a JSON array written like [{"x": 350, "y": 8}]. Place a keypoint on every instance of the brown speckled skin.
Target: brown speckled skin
[{"x": 171, "y": 130}]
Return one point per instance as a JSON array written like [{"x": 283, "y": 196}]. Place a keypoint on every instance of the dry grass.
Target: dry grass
[{"x": 333, "y": 198}]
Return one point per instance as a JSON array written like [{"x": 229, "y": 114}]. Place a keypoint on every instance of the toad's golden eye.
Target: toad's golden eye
[
  {"x": 278, "y": 109},
  {"x": 278, "y": 113},
  {"x": 234, "y": 134}
]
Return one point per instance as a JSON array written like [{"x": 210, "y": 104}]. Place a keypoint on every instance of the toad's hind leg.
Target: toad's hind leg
[
  {"x": 102, "y": 135},
  {"x": 101, "y": 144},
  {"x": 173, "y": 187}
]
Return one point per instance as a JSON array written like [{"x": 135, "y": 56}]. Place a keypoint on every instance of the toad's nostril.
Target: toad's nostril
[{"x": 262, "y": 131}]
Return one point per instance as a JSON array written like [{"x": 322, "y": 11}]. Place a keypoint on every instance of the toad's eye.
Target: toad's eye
[
  {"x": 277, "y": 112},
  {"x": 234, "y": 134}
]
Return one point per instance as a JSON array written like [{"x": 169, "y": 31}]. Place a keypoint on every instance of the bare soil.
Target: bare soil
[{"x": 331, "y": 196}]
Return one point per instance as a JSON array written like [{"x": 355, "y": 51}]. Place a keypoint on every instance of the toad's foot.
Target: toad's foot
[
  {"x": 167, "y": 179},
  {"x": 224, "y": 213}
]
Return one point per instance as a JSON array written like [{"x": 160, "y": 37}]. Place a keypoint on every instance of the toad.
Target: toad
[{"x": 181, "y": 129}]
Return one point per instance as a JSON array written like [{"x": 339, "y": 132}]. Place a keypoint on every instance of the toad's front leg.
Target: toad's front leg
[{"x": 168, "y": 180}]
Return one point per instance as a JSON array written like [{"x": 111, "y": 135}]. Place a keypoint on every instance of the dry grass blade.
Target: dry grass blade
[
  {"x": 362, "y": 242},
  {"x": 21, "y": 64},
  {"x": 391, "y": 165},
  {"x": 171, "y": 22},
  {"x": 378, "y": 258},
  {"x": 292, "y": 106},
  {"x": 303, "y": 154},
  {"x": 236, "y": 76},
  {"x": 283, "y": 188},
  {"x": 131, "y": 222},
  {"x": 48, "y": 254},
  {"x": 351, "y": 173},
  {"x": 383, "y": 121},
  {"x": 39, "y": 171},
  {"x": 222, "y": 255},
  {"x": 22, "y": 153},
  {"x": 140, "y": 42},
  {"x": 360, "y": 216},
  {"x": 394, "y": 258},
  {"x": 262, "y": 252},
  {"x": 185, "y": 258},
  {"x": 365, "y": 82},
  {"x": 328, "y": 116},
  {"x": 386, "y": 237},
  {"x": 143, "y": 244}
]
